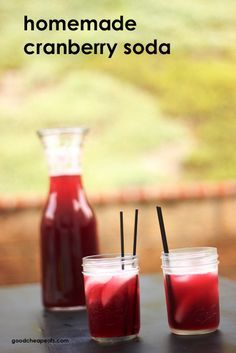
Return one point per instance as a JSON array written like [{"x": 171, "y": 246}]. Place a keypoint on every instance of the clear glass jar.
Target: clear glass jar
[
  {"x": 112, "y": 297},
  {"x": 191, "y": 289},
  {"x": 68, "y": 226}
]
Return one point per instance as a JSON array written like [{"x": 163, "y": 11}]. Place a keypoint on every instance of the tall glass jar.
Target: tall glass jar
[{"x": 68, "y": 226}]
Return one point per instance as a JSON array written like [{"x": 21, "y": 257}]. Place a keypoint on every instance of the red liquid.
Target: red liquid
[
  {"x": 192, "y": 301},
  {"x": 68, "y": 233},
  {"x": 113, "y": 305}
]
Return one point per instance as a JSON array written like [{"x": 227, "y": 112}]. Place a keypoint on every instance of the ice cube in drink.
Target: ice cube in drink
[
  {"x": 192, "y": 301},
  {"x": 113, "y": 305}
]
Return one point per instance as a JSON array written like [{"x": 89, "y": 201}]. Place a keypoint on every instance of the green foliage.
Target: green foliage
[{"x": 133, "y": 104}]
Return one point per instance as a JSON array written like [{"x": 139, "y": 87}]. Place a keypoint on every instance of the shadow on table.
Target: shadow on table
[
  {"x": 69, "y": 330},
  {"x": 209, "y": 343},
  {"x": 73, "y": 327}
]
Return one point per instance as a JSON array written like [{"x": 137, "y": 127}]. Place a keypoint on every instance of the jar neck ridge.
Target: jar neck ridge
[
  {"x": 190, "y": 260},
  {"x": 110, "y": 264},
  {"x": 63, "y": 150}
]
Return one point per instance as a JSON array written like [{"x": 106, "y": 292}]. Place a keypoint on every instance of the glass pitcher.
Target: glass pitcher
[{"x": 68, "y": 225}]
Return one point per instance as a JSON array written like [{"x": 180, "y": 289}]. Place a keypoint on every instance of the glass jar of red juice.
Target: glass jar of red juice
[
  {"x": 112, "y": 297},
  {"x": 191, "y": 288}
]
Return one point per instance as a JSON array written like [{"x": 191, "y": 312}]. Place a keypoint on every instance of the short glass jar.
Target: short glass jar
[
  {"x": 112, "y": 297},
  {"x": 191, "y": 288}
]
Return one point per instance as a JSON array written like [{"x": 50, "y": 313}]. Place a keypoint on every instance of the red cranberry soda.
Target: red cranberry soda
[
  {"x": 193, "y": 302},
  {"x": 191, "y": 287},
  {"x": 112, "y": 297},
  {"x": 68, "y": 226}
]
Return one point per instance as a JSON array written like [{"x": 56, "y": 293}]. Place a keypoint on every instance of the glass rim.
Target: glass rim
[
  {"x": 62, "y": 130},
  {"x": 110, "y": 263},
  {"x": 190, "y": 252},
  {"x": 192, "y": 257},
  {"x": 107, "y": 258}
]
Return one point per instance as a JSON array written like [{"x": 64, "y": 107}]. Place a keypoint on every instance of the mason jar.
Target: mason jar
[
  {"x": 191, "y": 290},
  {"x": 112, "y": 297}
]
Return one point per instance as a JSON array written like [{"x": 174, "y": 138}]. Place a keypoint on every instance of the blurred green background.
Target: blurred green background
[{"x": 154, "y": 119}]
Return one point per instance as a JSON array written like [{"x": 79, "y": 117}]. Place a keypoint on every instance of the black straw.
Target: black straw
[
  {"x": 162, "y": 228},
  {"x": 135, "y": 232},
  {"x": 170, "y": 293},
  {"x": 134, "y": 254},
  {"x": 122, "y": 245}
]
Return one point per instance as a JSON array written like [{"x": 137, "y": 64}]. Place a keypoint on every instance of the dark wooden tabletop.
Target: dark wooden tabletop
[{"x": 23, "y": 317}]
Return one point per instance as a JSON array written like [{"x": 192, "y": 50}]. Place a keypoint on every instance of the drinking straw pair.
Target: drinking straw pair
[
  {"x": 122, "y": 242},
  {"x": 162, "y": 229}
]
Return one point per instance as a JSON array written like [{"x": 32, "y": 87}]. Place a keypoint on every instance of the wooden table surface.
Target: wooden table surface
[{"x": 23, "y": 317}]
